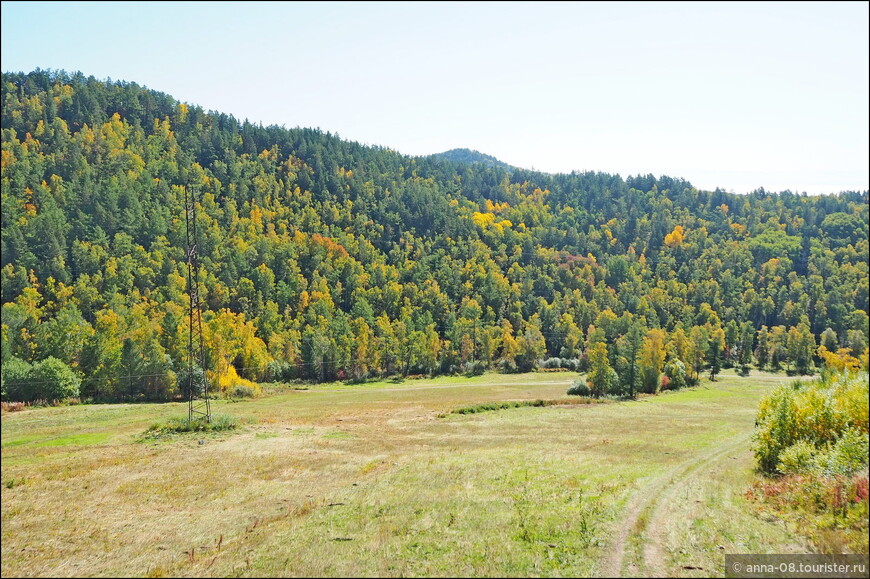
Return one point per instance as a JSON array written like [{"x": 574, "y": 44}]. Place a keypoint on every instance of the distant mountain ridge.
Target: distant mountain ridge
[{"x": 472, "y": 156}]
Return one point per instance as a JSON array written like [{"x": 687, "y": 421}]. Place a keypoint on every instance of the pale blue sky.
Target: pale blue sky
[{"x": 734, "y": 95}]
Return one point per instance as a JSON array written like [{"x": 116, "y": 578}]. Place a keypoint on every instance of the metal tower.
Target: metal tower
[{"x": 195, "y": 348}]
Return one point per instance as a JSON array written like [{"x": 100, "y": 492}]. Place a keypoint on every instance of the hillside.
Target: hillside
[
  {"x": 327, "y": 259},
  {"x": 470, "y": 156}
]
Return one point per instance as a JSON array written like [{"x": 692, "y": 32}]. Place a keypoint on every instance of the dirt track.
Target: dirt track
[{"x": 645, "y": 516}]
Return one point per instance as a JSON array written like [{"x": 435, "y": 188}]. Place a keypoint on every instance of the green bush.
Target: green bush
[
  {"x": 675, "y": 370},
  {"x": 49, "y": 379},
  {"x": 619, "y": 388},
  {"x": 54, "y": 380},
  {"x": 846, "y": 456},
  {"x": 281, "y": 371},
  {"x": 799, "y": 458},
  {"x": 572, "y": 364},
  {"x": 775, "y": 427},
  {"x": 473, "y": 368},
  {"x": 177, "y": 424},
  {"x": 242, "y": 391},
  {"x": 507, "y": 366},
  {"x": 14, "y": 376},
  {"x": 580, "y": 388}
]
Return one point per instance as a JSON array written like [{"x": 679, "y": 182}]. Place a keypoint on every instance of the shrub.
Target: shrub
[
  {"x": 14, "y": 378},
  {"x": 229, "y": 380},
  {"x": 675, "y": 371},
  {"x": 612, "y": 384},
  {"x": 622, "y": 388},
  {"x": 491, "y": 406},
  {"x": 473, "y": 368},
  {"x": 13, "y": 406},
  {"x": 550, "y": 363},
  {"x": 846, "y": 456},
  {"x": 799, "y": 458},
  {"x": 48, "y": 380},
  {"x": 829, "y": 415},
  {"x": 280, "y": 371},
  {"x": 572, "y": 364},
  {"x": 649, "y": 380},
  {"x": 218, "y": 422},
  {"x": 507, "y": 366},
  {"x": 775, "y": 425},
  {"x": 54, "y": 380},
  {"x": 664, "y": 382},
  {"x": 242, "y": 391},
  {"x": 580, "y": 388},
  {"x": 830, "y": 511}
]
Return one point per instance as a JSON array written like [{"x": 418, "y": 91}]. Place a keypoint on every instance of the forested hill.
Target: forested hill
[
  {"x": 469, "y": 156},
  {"x": 327, "y": 259}
]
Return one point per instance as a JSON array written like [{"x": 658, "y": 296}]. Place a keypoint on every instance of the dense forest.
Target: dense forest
[{"x": 325, "y": 259}]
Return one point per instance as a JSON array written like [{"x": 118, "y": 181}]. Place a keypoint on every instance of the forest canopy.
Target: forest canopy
[{"x": 325, "y": 259}]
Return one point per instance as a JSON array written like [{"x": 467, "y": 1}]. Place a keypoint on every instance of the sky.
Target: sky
[{"x": 731, "y": 95}]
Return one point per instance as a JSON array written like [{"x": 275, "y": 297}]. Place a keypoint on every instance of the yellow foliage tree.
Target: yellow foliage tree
[
  {"x": 839, "y": 361},
  {"x": 232, "y": 341},
  {"x": 675, "y": 237}
]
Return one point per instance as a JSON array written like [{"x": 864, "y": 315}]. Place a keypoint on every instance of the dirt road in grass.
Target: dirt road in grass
[
  {"x": 655, "y": 559},
  {"x": 638, "y": 548},
  {"x": 682, "y": 522}
]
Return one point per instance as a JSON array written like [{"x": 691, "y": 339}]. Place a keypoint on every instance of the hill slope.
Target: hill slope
[
  {"x": 324, "y": 258},
  {"x": 470, "y": 156}
]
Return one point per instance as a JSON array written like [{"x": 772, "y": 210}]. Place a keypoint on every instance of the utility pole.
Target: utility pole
[{"x": 195, "y": 346}]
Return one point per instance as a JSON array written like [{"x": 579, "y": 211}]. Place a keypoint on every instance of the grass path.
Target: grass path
[
  {"x": 657, "y": 534},
  {"x": 643, "y": 519},
  {"x": 655, "y": 561}
]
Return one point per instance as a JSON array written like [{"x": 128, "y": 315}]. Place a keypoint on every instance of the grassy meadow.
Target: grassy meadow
[{"x": 387, "y": 479}]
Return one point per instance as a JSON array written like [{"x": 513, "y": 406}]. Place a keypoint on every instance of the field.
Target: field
[{"x": 382, "y": 479}]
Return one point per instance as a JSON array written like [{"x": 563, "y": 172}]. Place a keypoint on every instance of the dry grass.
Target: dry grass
[{"x": 362, "y": 480}]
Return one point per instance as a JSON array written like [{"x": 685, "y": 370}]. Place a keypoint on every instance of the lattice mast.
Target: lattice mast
[{"x": 195, "y": 348}]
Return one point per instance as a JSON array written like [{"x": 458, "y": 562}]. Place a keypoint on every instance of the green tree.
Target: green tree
[
  {"x": 531, "y": 345},
  {"x": 745, "y": 347},
  {"x": 602, "y": 378},
  {"x": 715, "y": 349},
  {"x": 801, "y": 347},
  {"x": 630, "y": 348},
  {"x": 762, "y": 349}
]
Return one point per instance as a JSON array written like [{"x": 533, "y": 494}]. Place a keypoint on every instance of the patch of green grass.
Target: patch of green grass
[
  {"x": 181, "y": 424},
  {"x": 84, "y": 439},
  {"x": 493, "y": 406},
  {"x": 79, "y": 439},
  {"x": 21, "y": 440},
  {"x": 266, "y": 435}
]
